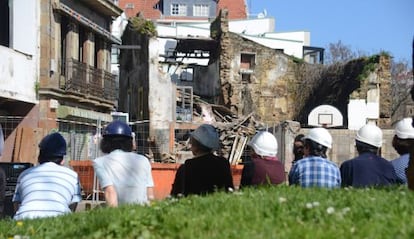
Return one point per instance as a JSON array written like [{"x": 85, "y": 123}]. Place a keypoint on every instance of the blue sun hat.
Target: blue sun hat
[{"x": 207, "y": 135}]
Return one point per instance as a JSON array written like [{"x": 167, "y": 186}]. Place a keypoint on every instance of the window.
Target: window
[
  {"x": 114, "y": 55},
  {"x": 247, "y": 61},
  {"x": 201, "y": 10},
  {"x": 64, "y": 30},
  {"x": 178, "y": 9},
  {"x": 83, "y": 41},
  {"x": 4, "y": 24},
  {"x": 129, "y": 6},
  {"x": 246, "y": 78},
  {"x": 187, "y": 74}
]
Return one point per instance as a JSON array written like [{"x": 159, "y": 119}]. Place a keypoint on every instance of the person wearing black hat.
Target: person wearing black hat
[
  {"x": 48, "y": 189},
  {"x": 124, "y": 175},
  {"x": 206, "y": 172}
]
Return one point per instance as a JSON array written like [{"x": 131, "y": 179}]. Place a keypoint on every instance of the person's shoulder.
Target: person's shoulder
[
  {"x": 220, "y": 160},
  {"x": 352, "y": 160},
  {"x": 68, "y": 170},
  {"x": 29, "y": 170},
  {"x": 139, "y": 156},
  {"x": 402, "y": 159},
  {"x": 307, "y": 160},
  {"x": 100, "y": 159}
]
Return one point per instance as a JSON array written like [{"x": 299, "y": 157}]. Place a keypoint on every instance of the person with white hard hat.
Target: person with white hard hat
[
  {"x": 368, "y": 169},
  {"x": 315, "y": 170},
  {"x": 263, "y": 167},
  {"x": 402, "y": 141},
  {"x": 206, "y": 172}
]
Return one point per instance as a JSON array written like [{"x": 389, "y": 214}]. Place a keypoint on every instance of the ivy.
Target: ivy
[
  {"x": 143, "y": 26},
  {"x": 369, "y": 67}
]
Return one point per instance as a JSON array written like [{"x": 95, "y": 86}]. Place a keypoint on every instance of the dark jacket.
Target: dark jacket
[
  {"x": 202, "y": 175},
  {"x": 260, "y": 171},
  {"x": 2, "y": 191},
  {"x": 367, "y": 170}
]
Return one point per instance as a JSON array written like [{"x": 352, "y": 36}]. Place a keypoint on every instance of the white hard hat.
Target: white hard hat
[
  {"x": 207, "y": 135},
  {"x": 370, "y": 134},
  {"x": 264, "y": 144},
  {"x": 320, "y": 136},
  {"x": 404, "y": 129}
]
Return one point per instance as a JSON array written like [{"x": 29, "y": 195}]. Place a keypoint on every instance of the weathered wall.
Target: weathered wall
[
  {"x": 384, "y": 74},
  {"x": 343, "y": 143},
  {"x": 336, "y": 84},
  {"x": 285, "y": 88},
  {"x": 134, "y": 76},
  {"x": 205, "y": 83},
  {"x": 266, "y": 94},
  {"x": 146, "y": 90}
]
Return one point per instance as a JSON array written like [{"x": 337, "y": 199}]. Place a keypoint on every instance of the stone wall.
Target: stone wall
[
  {"x": 282, "y": 87},
  {"x": 265, "y": 93},
  {"x": 343, "y": 143}
]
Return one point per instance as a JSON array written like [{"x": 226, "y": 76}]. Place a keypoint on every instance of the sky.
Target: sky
[{"x": 370, "y": 26}]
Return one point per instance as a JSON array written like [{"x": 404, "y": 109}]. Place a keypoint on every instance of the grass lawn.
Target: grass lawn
[{"x": 267, "y": 212}]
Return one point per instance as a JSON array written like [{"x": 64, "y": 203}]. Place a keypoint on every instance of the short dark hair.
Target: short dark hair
[
  {"x": 315, "y": 149},
  {"x": 365, "y": 148},
  {"x": 402, "y": 146},
  {"x": 44, "y": 158},
  {"x": 299, "y": 138},
  {"x": 112, "y": 142}
]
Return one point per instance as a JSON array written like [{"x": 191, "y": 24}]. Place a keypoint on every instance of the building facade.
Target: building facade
[
  {"x": 60, "y": 68},
  {"x": 168, "y": 11}
]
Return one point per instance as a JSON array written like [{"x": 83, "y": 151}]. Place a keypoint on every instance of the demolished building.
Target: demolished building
[{"x": 176, "y": 83}]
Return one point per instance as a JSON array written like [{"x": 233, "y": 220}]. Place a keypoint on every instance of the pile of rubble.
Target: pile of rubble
[{"x": 234, "y": 131}]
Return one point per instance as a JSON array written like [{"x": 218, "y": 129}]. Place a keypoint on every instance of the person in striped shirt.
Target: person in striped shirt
[
  {"x": 402, "y": 141},
  {"x": 48, "y": 189}
]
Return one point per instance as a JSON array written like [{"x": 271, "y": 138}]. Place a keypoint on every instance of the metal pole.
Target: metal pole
[{"x": 95, "y": 190}]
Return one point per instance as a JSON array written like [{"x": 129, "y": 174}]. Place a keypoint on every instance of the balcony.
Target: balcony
[{"x": 88, "y": 81}]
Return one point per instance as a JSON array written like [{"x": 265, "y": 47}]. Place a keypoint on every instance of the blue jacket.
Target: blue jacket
[{"x": 367, "y": 170}]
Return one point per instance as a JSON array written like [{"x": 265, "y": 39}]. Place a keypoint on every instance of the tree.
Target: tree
[
  {"x": 338, "y": 52},
  {"x": 401, "y": 83}
]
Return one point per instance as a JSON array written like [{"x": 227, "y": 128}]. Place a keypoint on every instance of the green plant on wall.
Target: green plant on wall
[
  {"x": 143, "y": 26},
  {"x": 36, "y": 88},
  {"x": 370, "y": 66}
]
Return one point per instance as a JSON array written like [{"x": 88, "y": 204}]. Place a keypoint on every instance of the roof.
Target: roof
[
  {"x": 146, "y": 7},
  {"x": 105, "y": 7},
  {"x": 237, "y": 8}
]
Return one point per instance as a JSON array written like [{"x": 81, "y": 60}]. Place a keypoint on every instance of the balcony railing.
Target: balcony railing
[{"x": 83, "y": 79}]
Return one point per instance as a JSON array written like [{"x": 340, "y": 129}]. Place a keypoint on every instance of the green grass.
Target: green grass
[{"x": 268, "y": 212}]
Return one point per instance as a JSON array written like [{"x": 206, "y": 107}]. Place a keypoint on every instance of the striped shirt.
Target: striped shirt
[
  {"x": 46, "y": 190},
  {"x": 400, "y": 164},
  {"x": 315, "y": 171}
]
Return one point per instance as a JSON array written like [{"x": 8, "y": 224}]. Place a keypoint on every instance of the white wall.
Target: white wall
[
  {"x": 252, "y": 26},
  {"x": 19, "y": 64},
  {"x": 162, "y": 101},
  {"x": 24, "y": 21},
  {"x": 302, "y": 36},
  {"x": 289, "y": 47},
  {"x": 259, "y": 30},
  {"x": 182, "y": 31},
  {"x": 18, "y": 75}
]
